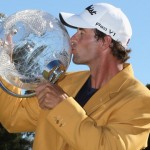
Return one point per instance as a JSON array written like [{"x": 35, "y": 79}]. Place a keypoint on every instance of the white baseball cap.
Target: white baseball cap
[{"x": 104, "y": 17}]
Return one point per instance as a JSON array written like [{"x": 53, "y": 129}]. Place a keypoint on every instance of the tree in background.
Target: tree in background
[
  {"x": 148, "y": 86},
  {"x": 15, "y": 141}
]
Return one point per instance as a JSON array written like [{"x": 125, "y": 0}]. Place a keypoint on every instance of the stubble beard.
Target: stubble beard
[{"x": 77, "y": 60}]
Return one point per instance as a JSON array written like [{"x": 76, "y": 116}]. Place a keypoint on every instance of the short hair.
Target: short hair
[{"x": 118, "y": 51}]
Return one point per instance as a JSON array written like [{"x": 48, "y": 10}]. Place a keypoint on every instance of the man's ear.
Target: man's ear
[{"x": 107, "y": 41}]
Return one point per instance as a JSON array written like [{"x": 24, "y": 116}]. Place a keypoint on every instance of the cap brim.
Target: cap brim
[{"x": 73, "y": 21}]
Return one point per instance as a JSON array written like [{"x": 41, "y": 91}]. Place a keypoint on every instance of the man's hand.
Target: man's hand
[{"x": 49, "y": 95}]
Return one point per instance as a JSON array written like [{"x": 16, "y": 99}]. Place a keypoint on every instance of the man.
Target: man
[{"x": 101, "y": 109}]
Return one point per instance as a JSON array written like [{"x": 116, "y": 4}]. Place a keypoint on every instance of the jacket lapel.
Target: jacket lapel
[{"x": 97, "y": 100}]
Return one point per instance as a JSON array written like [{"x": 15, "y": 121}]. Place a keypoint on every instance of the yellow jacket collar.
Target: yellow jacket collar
[{"x": 110, "y": 89}]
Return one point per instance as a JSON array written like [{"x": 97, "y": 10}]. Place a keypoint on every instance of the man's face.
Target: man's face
[{"x": 84, "y": 46}]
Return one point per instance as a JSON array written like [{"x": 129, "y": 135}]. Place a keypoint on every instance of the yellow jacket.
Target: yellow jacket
[{"x": 117, "y": 117}]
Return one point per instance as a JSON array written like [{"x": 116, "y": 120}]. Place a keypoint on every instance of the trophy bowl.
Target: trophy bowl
[{"x": 34, "y": 48}]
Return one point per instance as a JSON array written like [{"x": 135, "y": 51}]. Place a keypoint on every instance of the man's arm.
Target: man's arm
[{"x": 18, "y": 114}]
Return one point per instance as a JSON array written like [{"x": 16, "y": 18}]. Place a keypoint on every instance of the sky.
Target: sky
[{"x": 138, "y": 12}]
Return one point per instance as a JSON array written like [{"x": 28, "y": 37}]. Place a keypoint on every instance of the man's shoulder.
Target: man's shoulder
[{"x": 135, "y": 86}]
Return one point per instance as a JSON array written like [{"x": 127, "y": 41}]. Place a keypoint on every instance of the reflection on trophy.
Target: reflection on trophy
[{"x": 34, "y": 48}]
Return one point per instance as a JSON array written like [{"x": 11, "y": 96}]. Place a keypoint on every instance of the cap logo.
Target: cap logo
[
  {"x": 112, "y": 33},
  {"x": 101, "y": 26},
  {"x": 91, "y": 10},
  {"x": 105, "y": 29}
]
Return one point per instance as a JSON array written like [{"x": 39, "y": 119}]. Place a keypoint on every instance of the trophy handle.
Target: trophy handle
[
  {"x": 54, "y": 70},
  {"x": 14, "y": 94}
]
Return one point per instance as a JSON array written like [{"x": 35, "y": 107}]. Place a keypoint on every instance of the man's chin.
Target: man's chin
[{"x": 77, "y": 63}]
